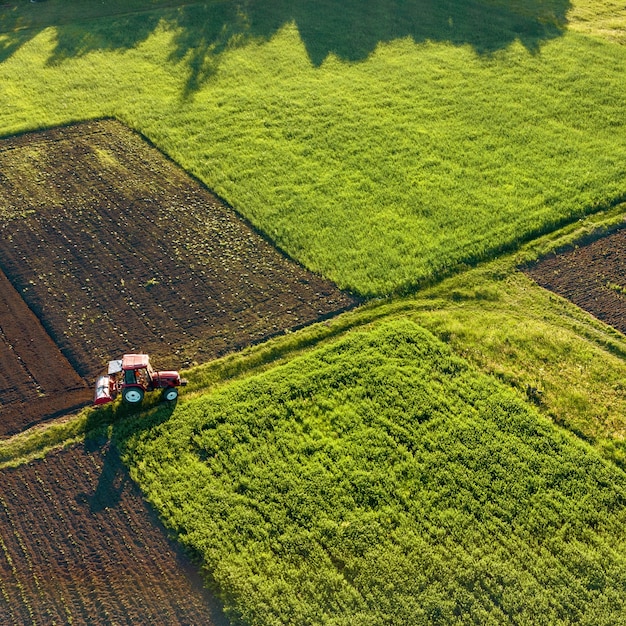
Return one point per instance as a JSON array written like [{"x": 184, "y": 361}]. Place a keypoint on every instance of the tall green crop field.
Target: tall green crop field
[
  {"x": 382, "y": 480},
  {"x": 382, "y": 144}
]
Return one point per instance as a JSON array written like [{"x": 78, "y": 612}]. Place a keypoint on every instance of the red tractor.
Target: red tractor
[{"x": 132, "y": 376}]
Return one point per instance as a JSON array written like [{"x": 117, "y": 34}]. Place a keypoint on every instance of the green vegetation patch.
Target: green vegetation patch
[
  {"x": 381, "y": 144},
  {"x": 381, "y": 479}
]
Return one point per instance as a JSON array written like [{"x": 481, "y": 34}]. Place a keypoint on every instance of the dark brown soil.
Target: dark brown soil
[
  {"x": 36, "y": 380},
  {"x": 115, "y": 249},
  {"x": 78, "y": 545},
  {"x": 592, "y": 276}
]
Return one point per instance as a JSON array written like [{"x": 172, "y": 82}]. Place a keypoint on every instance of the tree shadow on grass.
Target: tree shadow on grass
[
  {"x": 349, "y": 29},
  {"x": 124, "y": 33},
  {"x": 352, "y": 29}
]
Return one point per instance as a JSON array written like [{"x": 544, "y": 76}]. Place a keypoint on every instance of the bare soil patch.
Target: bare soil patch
[
  {"x": 78, "y": 545},
  {"x": 592, "y": 276},
  {"x": 115, "y": 249},
  {"x": 36, "y": 380}
]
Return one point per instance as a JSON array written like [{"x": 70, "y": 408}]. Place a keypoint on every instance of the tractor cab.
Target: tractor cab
[{"x": 137, "y": 371}]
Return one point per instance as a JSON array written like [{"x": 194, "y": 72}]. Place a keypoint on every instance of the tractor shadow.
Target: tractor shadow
[
  {"x": 115, "y": 484},
  {"x": 113, "y": 478},
  {"x": 350, "y": 30},
  {"x": 120, "y": 422}
]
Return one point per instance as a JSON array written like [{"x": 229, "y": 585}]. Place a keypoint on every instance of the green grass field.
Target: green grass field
[
  {"x": 380, "y": 144},
  {"x": 388, "y": 466},
  {"x": 383, "y": 480}
]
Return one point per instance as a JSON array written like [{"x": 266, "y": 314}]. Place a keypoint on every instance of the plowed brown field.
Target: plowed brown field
[
  {"x": 78, "y": 545},
  {"x": 36, "y": 380},
  {"x": 115, "y": 249},
  {"x": 592, "y": 276}
]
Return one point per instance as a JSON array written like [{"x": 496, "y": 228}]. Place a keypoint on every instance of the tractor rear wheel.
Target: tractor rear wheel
[
  {"x": 170, "y": 394},
  {"x": 133, "y": 395}
]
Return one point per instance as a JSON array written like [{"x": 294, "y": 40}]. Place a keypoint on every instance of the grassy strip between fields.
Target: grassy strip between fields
[{"x": 381, "y": 479}]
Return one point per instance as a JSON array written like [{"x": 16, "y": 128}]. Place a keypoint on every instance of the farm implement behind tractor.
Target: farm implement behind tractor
[{"x": 133, "y": 376}]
